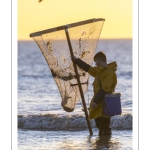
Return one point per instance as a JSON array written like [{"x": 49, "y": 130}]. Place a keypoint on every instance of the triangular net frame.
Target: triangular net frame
[{"x": 53, "y": 44}]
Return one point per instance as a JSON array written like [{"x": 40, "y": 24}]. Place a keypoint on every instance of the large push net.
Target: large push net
[{"x": 53, "y": 44}]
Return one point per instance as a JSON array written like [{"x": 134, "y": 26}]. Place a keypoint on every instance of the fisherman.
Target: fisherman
[{"x": 105, "y": 77}]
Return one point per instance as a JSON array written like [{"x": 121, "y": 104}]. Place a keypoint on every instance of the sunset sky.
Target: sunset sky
[{"x": 36, "y": 16}]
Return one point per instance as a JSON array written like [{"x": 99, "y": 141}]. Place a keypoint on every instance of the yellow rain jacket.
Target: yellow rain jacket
[{"x": 108, "y": 79}]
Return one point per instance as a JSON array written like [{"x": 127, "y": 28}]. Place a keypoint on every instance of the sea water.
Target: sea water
[{"x": 42, "y": 122}]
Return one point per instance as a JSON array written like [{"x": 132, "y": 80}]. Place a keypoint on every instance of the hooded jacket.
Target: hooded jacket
[
  {"x": 105, "y": 82},
  {"x": 105, "y": 76}
]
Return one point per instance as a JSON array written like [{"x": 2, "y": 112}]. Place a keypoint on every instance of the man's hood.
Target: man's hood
[{"x": 112, "y": 66}]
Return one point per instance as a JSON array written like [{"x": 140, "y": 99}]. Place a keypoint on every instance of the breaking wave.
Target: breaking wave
[{"x": 74, "y": 122}]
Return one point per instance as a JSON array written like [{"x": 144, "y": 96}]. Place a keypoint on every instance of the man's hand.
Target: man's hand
[
  {"x": 94, "y": 105},
  {"x": 73, "y": 57}
]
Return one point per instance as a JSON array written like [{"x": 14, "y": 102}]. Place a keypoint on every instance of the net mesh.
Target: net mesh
[{"x": 55, "y": 49}]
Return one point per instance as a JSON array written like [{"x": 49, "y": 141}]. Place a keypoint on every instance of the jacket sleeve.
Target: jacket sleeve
[
  {"x": 107, "y": 83},
  {"x": 99, "y": 96},
  {"x": 82, "y": 64},
  {"x": 86, "y": 67},
  {"x": 92, "y": 71}
]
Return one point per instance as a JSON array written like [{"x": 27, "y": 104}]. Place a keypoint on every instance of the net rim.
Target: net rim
[{"x": 63, "y": 27}]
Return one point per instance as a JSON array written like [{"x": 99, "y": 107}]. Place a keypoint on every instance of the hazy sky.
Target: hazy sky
[{"x": 34, "y": 16}]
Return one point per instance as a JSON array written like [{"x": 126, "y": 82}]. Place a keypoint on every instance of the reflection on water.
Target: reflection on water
[
  {"x": 61, "y": 140},
  {"x": 103, "y": 142}
]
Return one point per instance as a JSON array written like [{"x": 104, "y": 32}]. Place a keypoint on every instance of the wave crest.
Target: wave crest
[{"x": 74, "y": 122}]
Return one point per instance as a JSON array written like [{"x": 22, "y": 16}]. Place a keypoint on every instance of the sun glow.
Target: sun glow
[{"x": 34, "y": 16}]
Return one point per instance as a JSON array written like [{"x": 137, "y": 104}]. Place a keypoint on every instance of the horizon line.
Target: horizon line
[{"x": 125, "y": 38}]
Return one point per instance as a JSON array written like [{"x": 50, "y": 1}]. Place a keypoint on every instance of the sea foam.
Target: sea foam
[{"x": 68, "y": 122}]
